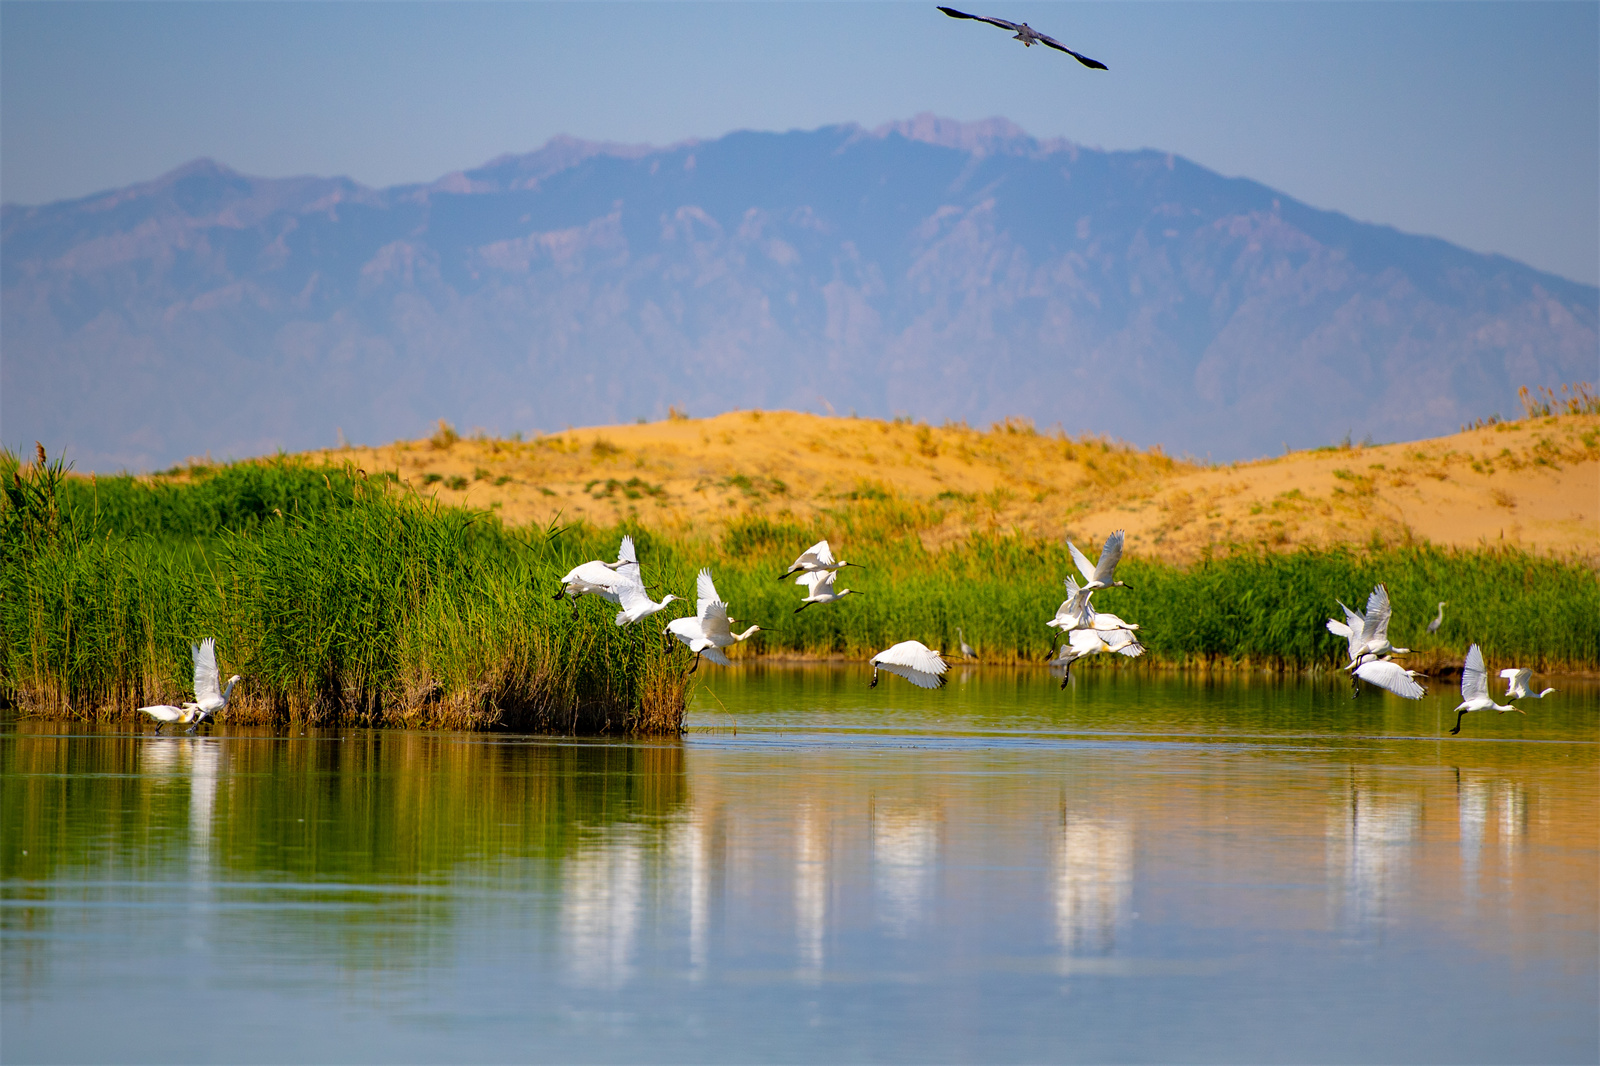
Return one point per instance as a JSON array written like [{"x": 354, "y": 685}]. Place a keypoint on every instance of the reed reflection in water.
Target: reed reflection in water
[{"x": 900, "y": 880}]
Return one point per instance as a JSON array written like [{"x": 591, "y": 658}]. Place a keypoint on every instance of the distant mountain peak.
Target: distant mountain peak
[{"x": 989, "y": 136}]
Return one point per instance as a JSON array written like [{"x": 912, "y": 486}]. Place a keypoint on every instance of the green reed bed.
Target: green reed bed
[
  {"x": 1242, "y": 608},
  {"x": 356, "y": 602}
]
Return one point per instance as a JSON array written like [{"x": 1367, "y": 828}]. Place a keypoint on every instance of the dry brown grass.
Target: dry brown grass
[{"x": 1533, "y": 483}]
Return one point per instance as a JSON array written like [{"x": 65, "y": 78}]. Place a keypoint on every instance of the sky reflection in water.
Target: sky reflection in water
[{"x": 1139, "y": 866}]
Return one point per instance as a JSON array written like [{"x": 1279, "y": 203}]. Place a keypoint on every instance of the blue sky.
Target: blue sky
[{"x": 1476, "y": 122}]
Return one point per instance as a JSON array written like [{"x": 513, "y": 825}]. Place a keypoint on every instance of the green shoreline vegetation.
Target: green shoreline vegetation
[{"x": 347, "y": 598}]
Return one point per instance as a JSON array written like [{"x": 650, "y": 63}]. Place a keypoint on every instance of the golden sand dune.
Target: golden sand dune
[{"x": 1533, "y": 483}]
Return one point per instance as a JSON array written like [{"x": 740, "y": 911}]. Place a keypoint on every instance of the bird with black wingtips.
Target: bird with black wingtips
[{"x": 1027, "y": 35}]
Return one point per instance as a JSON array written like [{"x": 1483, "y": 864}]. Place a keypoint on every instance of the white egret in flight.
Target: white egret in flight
[
  {"x": 1392, "y": 676},
  {"x": 1517, "y": 685},
  {"x": 1027, "y": 35},
  {"x": 636, "y": 603},
  {"x": 815, "y": 560},
  {"x": 709, "y": 629},
  {"x": 912, "y": 660},
  {"x": 1100, "y": 576},
  {"x": 1475, "y": 689},
  {"x": 599, "y": 578},
  {"x": 1082, "y": 643},
  {"x": 821, "y": 583}
]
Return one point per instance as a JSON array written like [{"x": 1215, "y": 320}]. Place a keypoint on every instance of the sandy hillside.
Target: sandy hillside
[{"x": 1535, "y": 483}]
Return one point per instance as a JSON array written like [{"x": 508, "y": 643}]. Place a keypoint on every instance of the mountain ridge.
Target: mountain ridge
[{"x": 931, "y": 267}]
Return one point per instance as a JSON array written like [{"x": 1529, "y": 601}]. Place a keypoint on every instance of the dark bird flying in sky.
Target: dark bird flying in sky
[{"x": 1027, "y": 35}]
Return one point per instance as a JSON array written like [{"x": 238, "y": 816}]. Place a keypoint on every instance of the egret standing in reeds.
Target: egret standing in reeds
[
  {"x": 912, "y": 660},
  {"x": 1100, "y": 576},
  {"x": 209, "y": 696},
  {"x": 1475, "y": 690},
  {"x": 1517, "y": 685},
  {"x": 821, "y": 583},
  {"x": 1438, "y": 619},
  {"x": 814, "y": 560},
  {"x": 967, "y": 651}
]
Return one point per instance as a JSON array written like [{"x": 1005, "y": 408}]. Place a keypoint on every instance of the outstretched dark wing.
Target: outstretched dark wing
[
  {"x": 1002, "y": 23},
  {"x": 1058, "y": 46}
]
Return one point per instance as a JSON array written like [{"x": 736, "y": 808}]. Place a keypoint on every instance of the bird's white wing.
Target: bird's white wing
[
  {"x": 625, "y": 553},
  {"x": 1085, "y": 641},
  {"x": 631, "y": 596},
  {"x": 1516, "y": 679},
  {"x": 686, "y": 629},
  {"x": 714, "y": 621},
  {"x": 824, "y": 553},
  {"x": 1338, "y": 629},
  {"x": 1392, "y": 676},
  {"x": 1081, "y": 561},
  {"x": 821, "y": 581},
  {"x": 705, "y": 590},
  {"x": 1474, "y": 676},
  {"x": 716, "y": 655},
  {"x": 1357, "y": 627},
  {"x": 1378, "y": 611},
  {"x": 912, "y": 654},
  {"x": 1110, "y": 556},
  {"x": 207, "y": 682}
]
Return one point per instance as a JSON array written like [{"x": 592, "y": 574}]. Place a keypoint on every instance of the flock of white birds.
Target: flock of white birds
[
  {"x": 709, "y": 632},
  {"x": 1372, "y": 661}
]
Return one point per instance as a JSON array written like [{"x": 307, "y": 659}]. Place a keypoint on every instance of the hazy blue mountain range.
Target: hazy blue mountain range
[{"x": 930, "y": 268}]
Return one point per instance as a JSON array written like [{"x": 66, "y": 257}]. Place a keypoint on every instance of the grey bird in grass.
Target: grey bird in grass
[
  {"x": 967, "y": 651},
  {"x": 1027, "y": 35},
  {"x": 1438, "y": 619}
]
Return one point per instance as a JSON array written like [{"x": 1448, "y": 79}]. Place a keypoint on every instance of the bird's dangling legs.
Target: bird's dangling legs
[
  {"x": 874, "y": 682},
  {"x": 696, "y": 665}
]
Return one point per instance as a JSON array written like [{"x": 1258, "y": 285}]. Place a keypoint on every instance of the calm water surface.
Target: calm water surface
[{"x": 1137, "y": 868}]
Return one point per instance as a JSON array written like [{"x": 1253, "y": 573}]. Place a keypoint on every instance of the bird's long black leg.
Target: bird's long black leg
[
  {"x": 1459, "y": 715},
  {"x": 696, "y": 665},
  {"x": 158, "y": 728},
  {"x": 874, "y": 682}
]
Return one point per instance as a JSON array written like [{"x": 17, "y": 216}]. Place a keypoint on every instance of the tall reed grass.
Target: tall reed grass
[
  {"x": 1243, "y": 608},
  {"x": 356, "y": 602}
]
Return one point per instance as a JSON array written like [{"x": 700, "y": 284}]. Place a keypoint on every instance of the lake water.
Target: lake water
[{"x": 1139, "y": 867}]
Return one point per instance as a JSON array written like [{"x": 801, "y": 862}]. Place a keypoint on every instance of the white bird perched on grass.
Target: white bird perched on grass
[
  {"x": 709, "y": 629},
  {"x": 967, "y": 651},
  {"x": 814, "y": 560},
  {"x": 209, "y": 696},
  {"x": 599, "y": 578},
  {"x": 1082, "y": 643},
  {"x": 1517, "y": 685},
  {"x": 821, "y": 583},
  {"x": 1392, "y": 676},
  {"x": 1475, "y": 689},
  {"x": 912, "y": 660},
  {"x": 1438, "y": 619},
  {"x": 636, "y": 603},
  {"x": 1100, "y": 576}
]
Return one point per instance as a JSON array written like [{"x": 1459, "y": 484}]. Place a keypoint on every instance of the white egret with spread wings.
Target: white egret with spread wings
[
  {"x": 1475, "y": 690},
  {"x": 912, "y": 660}
]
